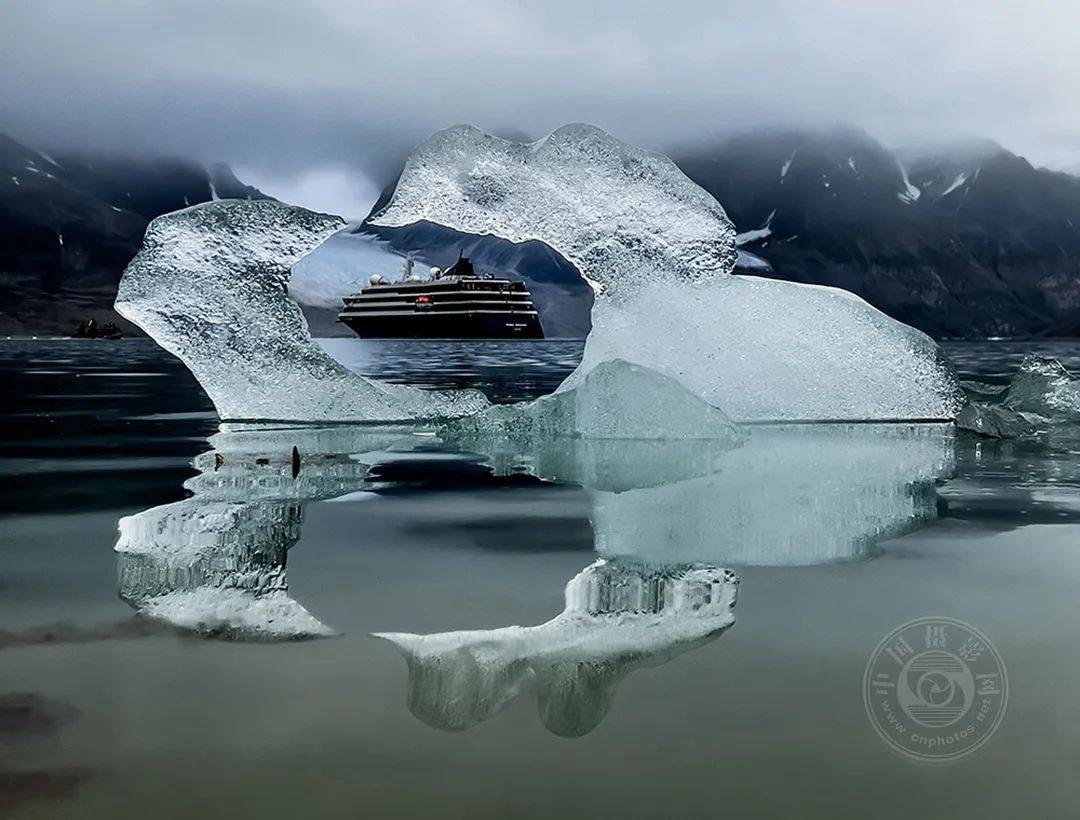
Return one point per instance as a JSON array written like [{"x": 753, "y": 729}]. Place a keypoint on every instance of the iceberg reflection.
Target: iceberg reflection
[
  {"x": 787, "y": 495},
  {"x": 667, "y": 516},
  {"x": 215, "y": 563},
  {"x": 619, "y": 616},
  {"x": 670, "y": 518}
]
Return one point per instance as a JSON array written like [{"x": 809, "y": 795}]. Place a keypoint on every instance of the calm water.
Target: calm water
[{"x": 626, "y": 693}]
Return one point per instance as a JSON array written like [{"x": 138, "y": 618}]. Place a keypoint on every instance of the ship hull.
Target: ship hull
[
  {"x": 436, "y": 326},
  {"x": 448, "y": 307}
]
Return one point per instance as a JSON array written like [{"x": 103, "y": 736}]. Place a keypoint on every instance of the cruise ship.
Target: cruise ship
[{"x": 455, "y": 303}]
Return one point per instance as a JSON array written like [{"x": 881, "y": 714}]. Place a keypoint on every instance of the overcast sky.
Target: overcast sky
[{"x": 318, "y": 100}]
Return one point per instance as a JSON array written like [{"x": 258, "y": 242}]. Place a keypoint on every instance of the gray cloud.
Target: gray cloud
[{"x": 287, "y": 88}]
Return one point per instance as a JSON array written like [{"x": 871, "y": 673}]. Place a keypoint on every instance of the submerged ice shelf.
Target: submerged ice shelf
[
  {"x": 661, "y": 250},
  {"x": 797, "y": 496},
  {"x": 210, "y": 285},
  {"x": 215, "y": 567}
]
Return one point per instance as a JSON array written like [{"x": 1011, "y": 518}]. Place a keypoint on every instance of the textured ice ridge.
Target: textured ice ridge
[
  {"x": 614, "y": 400},
  {"x": 617, "y": 212},
  {"x": 210, "y": 285},
  {"x": 618, "y": 617},
  {"x": 661, "y": 250}
]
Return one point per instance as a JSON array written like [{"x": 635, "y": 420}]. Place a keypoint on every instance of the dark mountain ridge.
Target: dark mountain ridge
[
  {"x": 962, "y": 241},
  {"x": 69, "y": 225}
]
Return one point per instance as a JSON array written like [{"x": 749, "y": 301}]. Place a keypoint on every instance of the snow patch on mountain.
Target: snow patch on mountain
[
  {"x": 910, "y": 193},
  {"x": 787, "y": 165},
  {"x": 756, "y": 235},
  {"x": 961, "y": 178},
  {"x": 750, "y": 261}
]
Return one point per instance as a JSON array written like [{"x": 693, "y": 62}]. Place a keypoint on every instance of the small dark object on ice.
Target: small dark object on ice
[
  {"x": 295, "y": 462},
  {"x": 88, "y": 329},
  {"x": 219, "y": 459},
  {"x": 262, "y": 461}
]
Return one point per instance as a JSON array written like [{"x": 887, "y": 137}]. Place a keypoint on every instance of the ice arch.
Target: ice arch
[
  {"x": 660, "y": 250},
  {"x": 210, "y": 285}
]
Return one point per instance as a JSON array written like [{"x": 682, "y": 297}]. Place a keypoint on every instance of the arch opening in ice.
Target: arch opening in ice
[{"x": 659, "y": 250}]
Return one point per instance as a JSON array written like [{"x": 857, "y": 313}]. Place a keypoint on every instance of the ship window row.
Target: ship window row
[
  {"x": 436, "y": 308},
  {"x": 437, "y": 298}
]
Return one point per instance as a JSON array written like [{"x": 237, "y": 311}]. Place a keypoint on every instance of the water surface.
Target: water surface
[{"x": 627, "y": 692}]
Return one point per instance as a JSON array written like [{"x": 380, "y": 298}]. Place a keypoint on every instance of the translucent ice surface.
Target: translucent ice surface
[
  {"x": 614, "y": 400},
  {"x": 768, "y": 350},
  {"x": 1045, "y": 388},
  {"x": 618, "y": 617},
  {"x": 1042, "y": 394},
  {"x": 210, "y": 285},
  {"x": 617, "y": 212},
  {"x": 661, "y": 250}
]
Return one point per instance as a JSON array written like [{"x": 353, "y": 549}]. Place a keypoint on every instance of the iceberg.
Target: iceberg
[
  {"x": 660, "y": 250},
  {"x": 993, "y": 420},
  {"x": 618, "y": 617},
  {"x": 618, "y": 213},
  {"x": 1042, "y": 393},
  {"x": 210, "y": 285},
  {"x": 1044, "y": 387}
]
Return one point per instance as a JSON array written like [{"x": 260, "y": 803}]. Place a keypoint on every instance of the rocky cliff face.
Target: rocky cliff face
[{"x": 70, "y": 224}]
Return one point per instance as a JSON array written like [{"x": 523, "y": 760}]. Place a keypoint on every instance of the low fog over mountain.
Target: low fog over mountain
[
  {"x": 69, "y": 224},
  {"x": 292, "y": 93},
  {"x": 963, "y": 240},
  {"x": 319, "y": 103}
]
